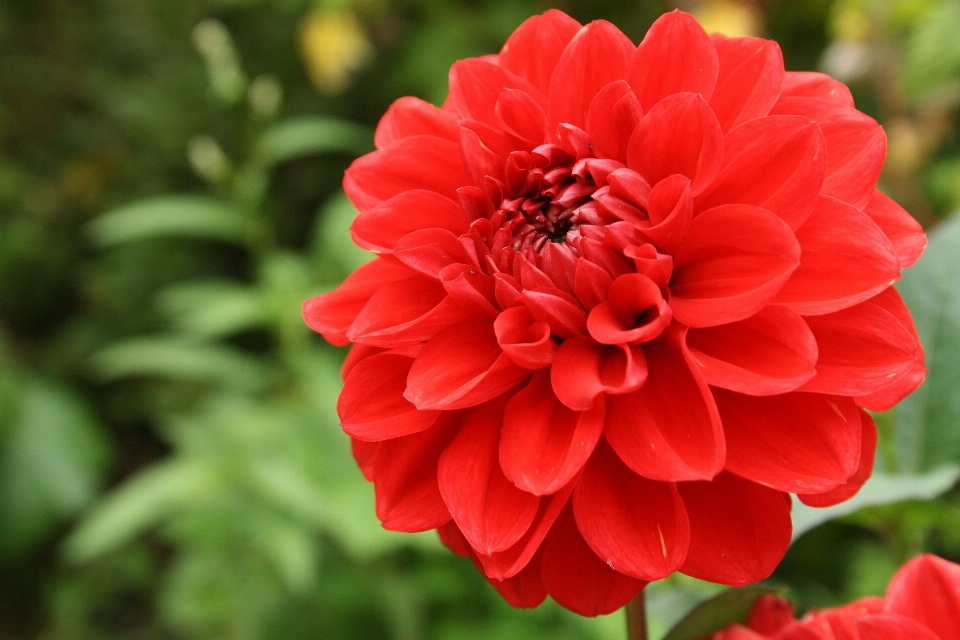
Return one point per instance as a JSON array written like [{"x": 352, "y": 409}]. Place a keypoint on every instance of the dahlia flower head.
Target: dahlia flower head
[
  {"x": 625, "y": 300},
  {"x": 922, "y": 603}
]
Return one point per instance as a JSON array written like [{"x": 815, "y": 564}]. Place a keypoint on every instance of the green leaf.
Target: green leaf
[
  {"x": 213, "y": 308},
  {"x": 187, "y": 216},
  {"x": 180, "y": 360},
  {"x": 926, "y": 425},
  {"x": 141, "y": 503},
  {"x": 51, "y": 463},
  {"x": 880, "y": 489},
  {"x": 731, "y": 606},
  {"x": 311, "y": 135}
]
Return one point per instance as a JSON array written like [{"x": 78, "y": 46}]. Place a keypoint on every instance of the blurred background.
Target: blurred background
[{"x": 170, "y": 461}]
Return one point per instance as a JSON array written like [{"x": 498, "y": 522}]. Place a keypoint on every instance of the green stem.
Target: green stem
[{"x": 637, "y": 618}]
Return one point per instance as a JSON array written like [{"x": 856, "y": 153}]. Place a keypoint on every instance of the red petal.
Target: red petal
[
  {"x": 611, "y": 119},
  {"x": 476, "y": 85},
  {"x": 364, "y": 453},
  {"x": 492, "y": 513},
  {"x": 409, "y": 116},
  {"x": 675, "y": 56},
  {"x": 885, "y": 398},
  {"x": 371, "y": 405},
  {"x": 868, "y": 450},
  {"x": 927, "y": 589},
  {"x": 796, "y": 442},
  {"x": 856, "y": 147},
  {"x": 637, "y": 526},
  {"x": 544, "y": 444},
  {"x": 524, "y": 590},
  {"x": 526, "y": 341},
  {"x": 812, "y": 84},
  {"x": 430, "y": 250},
  {"x": 770, "y": 614},
  {"x": 332, "y": 314},
  {"x": 583, "y": 369},
  {"x": 732, "y": 262},
  {"x": 776, "y": 162},
  {"x": 418, "y": 162},
  {"x": 461, "y": 367},
  {"x": 405, "y": 479},
  {"x": 519, "y": 115},
  {"x": 890, "y": 627},
  {"x": 598, "y": 55},
  {"x": 577, "y": 579},
  {"x": 357, "y": 354},
  {"x": 380, "y": 228},
  {"x": 739, "y": 530},
  {"x": 452, "y": 538},
  {"x": 591, "y": 283},
  {"x": 749, "y": 81},
  {"x": 634, "y": 312},
  {"x": 768, "y": 353},
  {"x": 862, "y": 349},
  {"x": 845, "y": 259},
  {"x": 670, "y": 429},
  {"x": 681, "y": 135},
  {"x": 508, "y": 563},
  {"x": 471, "y": 289},
  {"x": 558, "y": 309},
  {"x": 532, "y": 51},
  {"x": 405, "y": 312},
  {"x": 670, "y": 208},
  {"x": 904, "y": 231}
]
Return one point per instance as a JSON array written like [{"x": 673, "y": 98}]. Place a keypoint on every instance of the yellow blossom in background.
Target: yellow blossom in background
[
  {"x": 729, "y": 17},
  {"x": 334, "y": 46}
]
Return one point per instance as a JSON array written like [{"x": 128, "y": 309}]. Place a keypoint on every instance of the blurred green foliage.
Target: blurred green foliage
[{"x": 170, "y": 460}]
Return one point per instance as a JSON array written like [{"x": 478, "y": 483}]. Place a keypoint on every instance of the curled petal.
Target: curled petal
[
  {"x": 845, "y": 259},
  {"x": 598, "y": 55},
  {"x": 904, "y": 231},
  {"x": 591, "y": 283},
  {"x": 679, "y": 135},
  {"x": 380, "y": 229},
  {"x": 405, "y": 479},
  {"x": 670, "y": 209},
  {"x": 795, "y": 442},
  {"x": 371, "y": 405},
  {"x": 771, "y": 352},
  {"x": 409, "y": 116},
  {"x": 812, "y": 84},
  {"x": 492, "y": 513},
  {"x": 868, "y": 450},
  {"x": 558, "y": 309},
  {"x": 732, "y": 262},
  {"x": 749, "y": 81},
  {"x": 739, "y": 530},
  {"x": 669, "y": 429},
  {"x": 473, "y": 290},
  {"x": 611, "y": 119},
  {"x": 476, "y": 85},
  {"x": 776, "y": 162},
  {"x": 927, "y": 589},
  {"x": 405, "y": 312},
  {"x": 583, "y": 369},
  {"x": 862, "y": 349},
  {"x": 461, "y": 367},
  {"x": 675, "y": 56},
  {"x": 577, "y": 579},
  {"x": 533, "y": 50},
  {"x": 634, "y": 312},
  {"x": 544, "y": 444},
  {"x": 429, "y": 251},
  {"x": 856, "y": 147},
  {"x": 525, "y": 340},
  {"x": 417, "y": 162},
  {"x": 637, "y": 526},
  {"x": 332, "y": 314}
]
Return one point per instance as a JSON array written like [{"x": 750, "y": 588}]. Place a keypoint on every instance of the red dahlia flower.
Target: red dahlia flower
[
  {"x": 922, "y": 603},
  {"x": 627, "y": 299}
]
